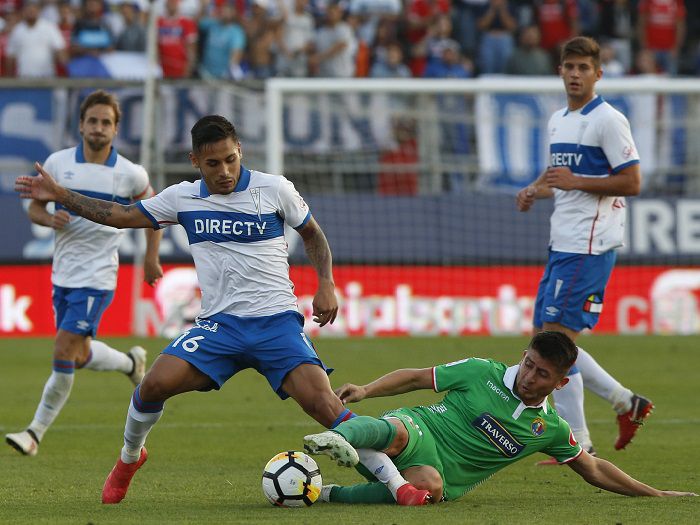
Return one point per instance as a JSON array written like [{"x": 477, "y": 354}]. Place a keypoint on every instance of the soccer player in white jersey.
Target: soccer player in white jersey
[
  {"x": 85, "y": 261},
  {"x": 234, "y": 219},
  {"x": 593, "y": 165}
]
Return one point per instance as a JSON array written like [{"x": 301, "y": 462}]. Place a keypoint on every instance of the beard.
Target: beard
[{"x": 97, "y": 143}]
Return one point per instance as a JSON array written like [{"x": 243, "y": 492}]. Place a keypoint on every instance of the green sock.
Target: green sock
[
  {"x": 367, "y": 432},
  {"x": 362, "y": 493}
]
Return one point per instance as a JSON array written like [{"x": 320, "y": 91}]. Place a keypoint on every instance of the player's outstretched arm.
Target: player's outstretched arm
[
  {"x": 325, "y": 303},
  {"x": 603, "y": 474},
  {"x": 44, "y": 188},
  {"x": 393, "y": 383}
]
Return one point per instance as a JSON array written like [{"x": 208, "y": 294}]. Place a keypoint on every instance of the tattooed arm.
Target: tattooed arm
[
  {"x": 44, "y": 188},
  {"x": 325, "y": 304}
]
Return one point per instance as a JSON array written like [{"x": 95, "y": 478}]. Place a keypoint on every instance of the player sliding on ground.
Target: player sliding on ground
[
  {"x": 234, "y": 219},
  {"x": 491, "y": 416}
]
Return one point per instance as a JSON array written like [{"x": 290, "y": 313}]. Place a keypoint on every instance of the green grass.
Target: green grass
[{"x": 208, "y": 450}]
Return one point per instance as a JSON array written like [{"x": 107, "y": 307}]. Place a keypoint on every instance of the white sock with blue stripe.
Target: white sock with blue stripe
[
  {"x": 105, "y": 358},
  {"x": 140, "y": 419},
  {"x": 56, "y": 392}
]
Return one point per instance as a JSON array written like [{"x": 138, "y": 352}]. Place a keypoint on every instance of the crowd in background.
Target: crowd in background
[{"x": 258, "y": 39}]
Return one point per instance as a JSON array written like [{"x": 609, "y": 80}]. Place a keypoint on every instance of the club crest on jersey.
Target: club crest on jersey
[
  {"x": 572, "y": 439},
  {"x": 255, "y": 194},
  {"x": 497, "y": 435},
  {"x": 593, "y": 304},
  {"x": 538, "y": 426}
]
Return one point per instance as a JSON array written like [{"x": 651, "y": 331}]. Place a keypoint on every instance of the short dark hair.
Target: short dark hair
[
  {"x": 557, "y": 348},
  {"x": 581, "y": 46},
  {"x": 210, "y": 129},
  {"x": 101, "y": 97}
]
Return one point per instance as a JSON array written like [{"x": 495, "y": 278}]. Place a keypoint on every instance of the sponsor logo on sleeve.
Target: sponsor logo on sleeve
[
  {"x": 497, "y": 435},
  {"x": 538, "y": 426}
]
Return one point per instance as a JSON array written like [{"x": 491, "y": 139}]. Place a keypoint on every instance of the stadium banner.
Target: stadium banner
[
  {"x": 387, "y": 230},
  {"x": 511, "y": 129},
  {"x": 381, "y": 300}
]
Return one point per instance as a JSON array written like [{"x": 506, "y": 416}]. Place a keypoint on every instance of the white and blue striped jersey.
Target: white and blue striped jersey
[
  {"x": 85, "y": 253},
  {"x": 237, "y": 240},
  {"x": 594, "y": 141}
]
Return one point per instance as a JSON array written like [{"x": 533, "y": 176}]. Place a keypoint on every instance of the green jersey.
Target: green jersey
[{"x": 482, "y": 426}]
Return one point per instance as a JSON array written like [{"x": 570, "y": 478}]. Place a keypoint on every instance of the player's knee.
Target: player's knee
[
  {"x": 324, "y": 407},
  {"x": 154, "y": 389},
  {"x": 426, "y": 478},
  {"x": 400, "y": 439}
]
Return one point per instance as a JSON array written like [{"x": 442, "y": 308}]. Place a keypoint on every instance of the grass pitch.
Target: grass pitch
[{"x": 207, "y": 452}]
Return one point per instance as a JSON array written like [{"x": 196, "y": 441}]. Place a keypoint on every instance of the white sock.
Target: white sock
[
  {"x": 598, "y": 381},
  {"x": 56, "y": 392},
  {"x": 106, "y": 358},
  {"x": 138, "y": 425},
  {"x": 379, "y": 464},
  {"x": 569, "y": 403}
]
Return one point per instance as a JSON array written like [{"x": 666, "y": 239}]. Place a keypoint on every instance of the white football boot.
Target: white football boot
[
  {"x": 333, "y": 445},
  {"x": 23, "y": 442},
  {"x": 138, "y": 356}
]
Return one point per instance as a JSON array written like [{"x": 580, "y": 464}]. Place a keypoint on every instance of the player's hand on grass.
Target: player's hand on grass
[
  {"x": 525, "y": 198},
  {"x": 561, "y": 178},
  {"x": 349, "y": 393},
  {"x": 59, "y": 219},
  {"x": 152, "y": 272},
  {"x": 674, "y": 493},
  {"x": 325, "y": 304},
  {"x": 42, "y": 187}
]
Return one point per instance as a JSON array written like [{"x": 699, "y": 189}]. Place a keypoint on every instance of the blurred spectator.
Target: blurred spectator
[
  {"x": 386, "y": 35},
  {"x": 451, "y": 64},
  {"x": 335, "y": 46},
  {"x": 392, "y": 65},
  {"x": 177, "y": 42},
  {"x": 497, "y": 26},
  {"x": 133, "y": 35},
  {"x": 588, "y": 16},
  {"x": 557, "y": 20},
  {"x": 66, "y": 21},
  {"x": 611, "y": 66},
  {"x": 616, "y": 27},
  {"x": 661, "y": 29},
  {"x": 399, "y": 166},
  {"x": 261, "y": 35},
  {"x": 8, "y": 21},
  {"x": 465, "y": 13},
  {"x": 223, "y": 44},
  {"x": 645, "y": 63},
  {"x": 429, "y": 49},
  {"x": 35, "y": 45},
  {"x": 529, "y": 58},
  {"x": 295, "y": 40},
  {"x": 91, "y": 35},
  {"x": 10, "y": 6},
  {"x": 420, "y": 14}
]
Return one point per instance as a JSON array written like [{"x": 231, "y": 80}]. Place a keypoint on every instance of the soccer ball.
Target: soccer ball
[{"x": 291, "y": 479}]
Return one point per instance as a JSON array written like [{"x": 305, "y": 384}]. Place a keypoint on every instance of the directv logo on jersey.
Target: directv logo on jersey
[
  {"x": 566, "y": 159},
  {"x": 228, "y": 227},
  {"x": 496, "y": 433}
]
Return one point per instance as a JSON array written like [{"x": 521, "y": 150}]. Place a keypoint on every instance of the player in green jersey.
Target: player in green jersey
[{"x": 491, "y": 416}]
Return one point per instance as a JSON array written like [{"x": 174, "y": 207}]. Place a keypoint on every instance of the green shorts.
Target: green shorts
[{"x": 421, "y": 449}]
